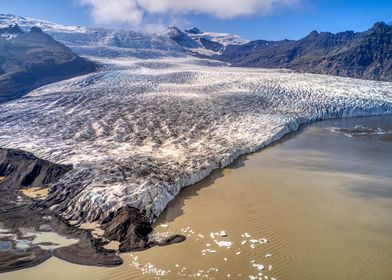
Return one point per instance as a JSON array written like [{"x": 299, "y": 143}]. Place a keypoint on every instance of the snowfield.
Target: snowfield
[{"x": 140, "y": 130}]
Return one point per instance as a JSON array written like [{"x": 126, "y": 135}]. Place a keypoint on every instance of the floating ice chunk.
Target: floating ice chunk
[
  {"x": 243, "y": 242},
  {"x": 266, "y": 277},
  {"x": 223, "y": 233},
  {"x": 246, "y": 235},
  {"x": 205, "y": 251},
  {"x": 268, "y": 255},
  {"x": 258, "y": 266},
  {"x": 208, "y": 245},
  {"x": 164, "y": 225},
  {"x": 254, "y": 241},
  {"x": 263, "y": 240},
  {"x": 187, "y": 230},
  {"x": 224, "y": 243},
  {"x": 200, "y": 235},
  {"x": 225, "y": 259},
  {"x": 228, "y": 275},
  {"x": 238, "y": 253},
  {"x": 212, "y": 269},
  {"x": 251, "y": 277},
  {"x": 252, "y": 261},
  {"x": 252, "y": 246}
]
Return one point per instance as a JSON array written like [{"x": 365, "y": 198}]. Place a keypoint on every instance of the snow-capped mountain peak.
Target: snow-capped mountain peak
[
  {"x": 202, "y": 43},
  {"x": 193, "y": 30},
  {"x": 222, "y": 38},
  {"x": 46, "y": 26},
  {"x": 109, "y": 43},
  {"x": 181, "y": 38},
  {"x": 9, "y": 31},
  {"x": 100, "y": 42}
]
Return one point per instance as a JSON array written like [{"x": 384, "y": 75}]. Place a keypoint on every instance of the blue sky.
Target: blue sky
[{"x": 291, "y": 21}]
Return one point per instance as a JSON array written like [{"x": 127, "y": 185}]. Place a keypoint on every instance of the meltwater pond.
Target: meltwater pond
[{"x": 317, "y": 205}]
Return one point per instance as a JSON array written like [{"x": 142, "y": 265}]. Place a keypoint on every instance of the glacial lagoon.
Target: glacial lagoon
[{"x": 315, "y": 205}]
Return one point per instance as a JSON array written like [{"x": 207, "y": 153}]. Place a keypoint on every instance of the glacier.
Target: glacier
[
  {"x": 138, "y": 130},
  {"x": 153, "y": 119}
]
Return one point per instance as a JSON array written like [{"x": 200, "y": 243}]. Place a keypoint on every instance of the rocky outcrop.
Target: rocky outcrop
[
  {"x": 132, "y": 228},
  {"x": 23, "y": 169},
  {"x": 129, "y": 226}
]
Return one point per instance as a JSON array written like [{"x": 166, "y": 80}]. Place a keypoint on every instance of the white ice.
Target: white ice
[{"x": 138, "y": 131}]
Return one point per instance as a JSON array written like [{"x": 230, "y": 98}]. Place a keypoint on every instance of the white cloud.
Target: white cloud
[{"x": 135, "y": 12}]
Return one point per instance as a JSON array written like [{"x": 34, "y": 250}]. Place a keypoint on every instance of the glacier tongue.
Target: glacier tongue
[{"x": 140, "y": 130}]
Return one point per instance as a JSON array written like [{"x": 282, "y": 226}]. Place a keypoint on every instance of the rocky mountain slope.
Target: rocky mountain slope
[
  {"x": 366, "y": 55},
  {"x": 32, "y": 59}
]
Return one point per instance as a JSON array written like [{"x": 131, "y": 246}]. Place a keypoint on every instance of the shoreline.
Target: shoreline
[
  {"x": 89, "y": 245},
  {"x": 289, "y": 128}
]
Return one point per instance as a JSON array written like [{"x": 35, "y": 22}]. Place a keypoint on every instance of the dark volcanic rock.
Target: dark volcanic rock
[
  {"x": 366, "y": 55},
  {"x": 129, "y": 227},
  {"x": 29, "y": 60},
  {"x": 210, "y": 45},
  {"x": 172, "y": 240},
  {"x": 181, "y": 38},
  {"x": 13, "y": 260},
  {"x": 22, "y": 169},
  {"x": 132, "y": 229},
  {"x": 85, "y": 253}
]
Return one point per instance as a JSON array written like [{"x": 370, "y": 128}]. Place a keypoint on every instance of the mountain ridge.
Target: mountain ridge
[
  {"x": 32, "y": 59},
  {"x": 365, "y": 55}
]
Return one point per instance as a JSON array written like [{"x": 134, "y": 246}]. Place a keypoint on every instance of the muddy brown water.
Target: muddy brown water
[{"x": 322, "y": 199}]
